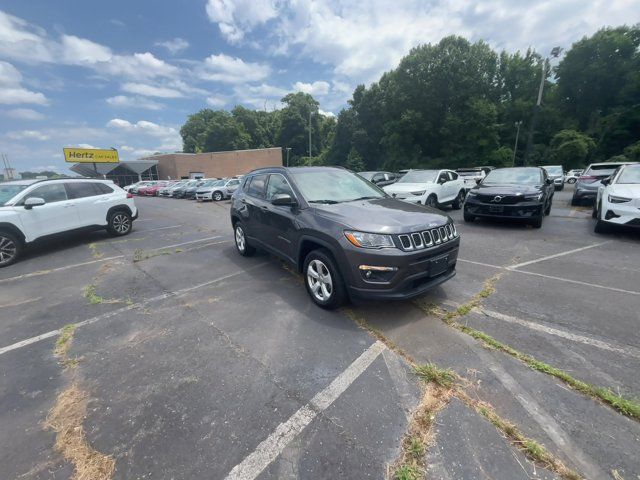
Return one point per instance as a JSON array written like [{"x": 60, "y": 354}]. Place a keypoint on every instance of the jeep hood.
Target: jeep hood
[{"x": 382, "y": 215}]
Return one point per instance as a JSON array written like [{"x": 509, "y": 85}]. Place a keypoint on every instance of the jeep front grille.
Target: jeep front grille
[{"x": 428, "y": 238}]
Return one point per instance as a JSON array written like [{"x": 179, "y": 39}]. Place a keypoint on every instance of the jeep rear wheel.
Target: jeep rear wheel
[
  {"x": 10, "y": 249},
  {"x": 323, "y": 280},
  {"x": 240, "y": 239}
]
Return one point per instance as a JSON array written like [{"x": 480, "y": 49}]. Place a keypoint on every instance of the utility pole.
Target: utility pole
[
  {"x": 515, "y": 147},
  {"x": 288, "y": 149},
  {"x": 310, "y": 133},
  {"x": 555, "y": 53}
]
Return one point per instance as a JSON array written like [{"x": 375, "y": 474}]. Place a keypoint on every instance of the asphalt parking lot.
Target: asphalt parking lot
[{"x": 199, "y": 363}]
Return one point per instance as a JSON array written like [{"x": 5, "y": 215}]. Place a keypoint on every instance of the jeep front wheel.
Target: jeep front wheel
[{"x": 323, "y": 280}]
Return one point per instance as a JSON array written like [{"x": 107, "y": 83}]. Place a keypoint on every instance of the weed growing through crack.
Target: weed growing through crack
[
  {"x": 409, "y": 472},
  {"x": 95, "y": 252},
  {"x": 431, "y": 373},
  {"x": 139, "y": 255},
  {"x": 63, "y": 343},
  {"x": 91, "y": 295}
]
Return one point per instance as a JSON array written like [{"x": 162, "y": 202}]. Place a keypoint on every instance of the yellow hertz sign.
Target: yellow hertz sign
[{"x": 90, "y": 155}]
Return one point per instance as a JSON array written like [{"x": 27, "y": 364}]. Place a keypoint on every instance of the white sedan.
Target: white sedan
[
  {"x": 618, "y": 200},
  {"x": 433, "y": 188}
]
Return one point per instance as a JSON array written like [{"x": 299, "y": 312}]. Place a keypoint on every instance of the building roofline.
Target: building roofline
[{"x": 211, "y": 153}]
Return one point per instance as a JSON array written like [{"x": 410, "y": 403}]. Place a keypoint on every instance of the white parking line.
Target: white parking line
[
  {"x": 269, "y": 449},
  {"x": 561, "y": 254},
  {"x": 104, "y": 316},
  {"x": 76, "y": 265},
  {"x": 154, "y": 229},
  {"x": 593, "y": 342}
]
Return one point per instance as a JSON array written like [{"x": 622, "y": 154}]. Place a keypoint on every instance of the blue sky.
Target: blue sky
[{"x": 126, "y": 74}]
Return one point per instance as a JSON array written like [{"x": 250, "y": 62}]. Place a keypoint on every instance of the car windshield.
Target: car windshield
[
  {"x": 419, "y": 176},
  {"x": 629, "y": 175},
  {"x": 334, "y": 186},
  {"x": 517, "y": 176},
  {"x": 7, "y": 192},
  {"x": 553, "y": 170},
  {"x": 602, "y": 170}
]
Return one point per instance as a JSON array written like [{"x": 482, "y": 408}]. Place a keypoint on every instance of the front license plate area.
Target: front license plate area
[
  {"x": 439, "y": 265},
  {"x": 496, "y": 208}
]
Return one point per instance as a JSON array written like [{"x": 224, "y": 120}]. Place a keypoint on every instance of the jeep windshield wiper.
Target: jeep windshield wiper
[
  {"x": 363, "y": 198},
  {"x": 328, "y": 202}
]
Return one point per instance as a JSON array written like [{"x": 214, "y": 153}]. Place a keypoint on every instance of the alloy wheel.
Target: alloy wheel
[
  {"x": 217, "y": 197},
  {"x": 8, "y": 250},
  {"x": 121, "y": 223},
  {"x": 319, "y": 279},
  {"x": 240, "y": 241}
]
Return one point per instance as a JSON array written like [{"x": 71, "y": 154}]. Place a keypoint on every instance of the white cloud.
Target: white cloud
[
  {"x": 24, "y": 114},
  {"x": 151, "y": 90},
  {"x": 117, "y": 23},
  {"x": 326, "y": 114},
  {"x": 28, "y": 135},
  {"x": 216, "y": 102},
  {"x": 21, "y": 40},
  {"x": 123, "y": 101},
  {"x": 143, "y": 127},
  {"x": 174, "y": 46},
  {"x": 11, "y": 90},
  {"x": 234, "y": 17},
  {"x": 137, "y": 66},
  {"x": 85, "y": 145},
  {"x": 316, "y": 88},
  {"x": 226, "y": 69},
  {"x": 77, "y": 50}
]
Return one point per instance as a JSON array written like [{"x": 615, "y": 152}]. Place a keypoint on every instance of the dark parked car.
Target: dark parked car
[
  {"x": 521, "y": 193},
  {"x": 346, "y": 236},
  {"x": 182, "y": 190},
  {"x": 380, "y": 179},
  {"x": 588, "y": 183},
  {"x": 190, "y": 192}
]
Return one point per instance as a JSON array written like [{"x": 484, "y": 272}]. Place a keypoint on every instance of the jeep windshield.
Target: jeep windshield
[
  {"x": 7, "y": 192},
  {"x": 515, "y": 176},
  {"x": 334, "y": 186},
  {"x": 419, "y": 176}
]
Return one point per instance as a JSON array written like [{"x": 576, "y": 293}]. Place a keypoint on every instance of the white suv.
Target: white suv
[
  {"x": 433, "y": 188},
  {"x": 31, "y": 210}
]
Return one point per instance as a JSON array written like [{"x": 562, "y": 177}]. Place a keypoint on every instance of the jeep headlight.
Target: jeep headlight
[
  {"x": 369, "y": 240},
  {"x": 421, "y": 192},
  {"x": 616, "y": 199}
]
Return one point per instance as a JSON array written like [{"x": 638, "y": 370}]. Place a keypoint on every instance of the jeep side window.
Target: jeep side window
[
  {"x": 54, "y": 192},
  {"x": 256, "y": 186},
  {"x": 277, "y": 186}
]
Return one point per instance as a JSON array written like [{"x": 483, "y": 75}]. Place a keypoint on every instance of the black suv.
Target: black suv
[
  {"x": 524, "y": 193},
  {"x": 345, "y": 235}
]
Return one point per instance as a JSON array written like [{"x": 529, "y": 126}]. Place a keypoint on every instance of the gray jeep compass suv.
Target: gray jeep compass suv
[{"x": 346, "y": 236}]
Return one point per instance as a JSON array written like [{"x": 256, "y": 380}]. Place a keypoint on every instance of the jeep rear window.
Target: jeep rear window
[{"x": 7, "y": 192}]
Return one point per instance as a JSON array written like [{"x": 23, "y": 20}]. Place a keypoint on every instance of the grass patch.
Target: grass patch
[
  {"x": 95, "y": 252},
  {"x": 530, "y": 448},
  {"x": 63, "y": 343},
  {"x": 409, "y": 472},
  {"x": 139, "y": 255},
  {"x": 91, "y": 295},
  {"x": 66, "y": 418},
  {"x": 431, "y": 373}
]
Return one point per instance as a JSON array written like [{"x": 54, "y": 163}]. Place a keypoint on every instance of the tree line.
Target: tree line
[{"x": 457, "y": 103}]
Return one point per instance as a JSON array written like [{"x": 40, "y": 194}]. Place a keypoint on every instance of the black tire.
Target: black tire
[
  {"x": 468, "y": 217},
  {"x": 431, "y": 201},
  {"x": 459, "y": 201},
  {"x": 536, "y": 222},
  {"x": 242, "y": 246},
  {"x": 547, "y": 210},
  {"x": 559, "y": 189},
  {"x": 594, "y": 212},
  {"x": 602, "y": 227},
  {"x": 119, "y": 223},
  {"x": 571, "y": 181},
  {"x": 575, "y": 202},
  {"x": 338, "y": 293},
  {"x": 10, "y": 249},
  {"x": 217, "y": 196}
]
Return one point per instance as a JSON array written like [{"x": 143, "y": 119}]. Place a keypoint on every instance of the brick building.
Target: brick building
[{"x": 214, "y": 164}]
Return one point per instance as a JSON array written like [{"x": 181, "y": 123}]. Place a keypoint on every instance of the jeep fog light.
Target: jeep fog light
[{"x": 373, "y": 273}]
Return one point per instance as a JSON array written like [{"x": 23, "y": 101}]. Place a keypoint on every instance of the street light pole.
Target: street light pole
[
  {"x": 555, "y": 53},
  {"x": 288, "y": 150},
  {"x": 310, "y": 133},
  {"x": 515, "y": 147}
]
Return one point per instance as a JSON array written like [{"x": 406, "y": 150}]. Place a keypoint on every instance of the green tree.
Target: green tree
[
  {"x": 224, "y": 133},
  {"x": 354, "y": 161},
  {"x": 193, "y": 132},
  {"x": 571, "y": 148},
  {"x": 294, "y": 125},
  {"x": 632, "y": 152}
]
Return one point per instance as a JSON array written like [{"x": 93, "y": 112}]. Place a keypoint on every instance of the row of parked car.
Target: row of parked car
[{"x": 205, "y": 189}]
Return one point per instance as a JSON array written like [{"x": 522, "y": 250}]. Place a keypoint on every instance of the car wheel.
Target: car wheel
[
  {"x": 571, "y": 181},
  {"x": 217, "y": 196},
  {"x": 431, "y": 201},
  {"x": 119, "y": 223},
  {"x": 594, "y": 212},
  {"x": 457, "y": 203},
  {"x": 242, "y": 245},
  {"x": 547, "y": 210},
  {"x": 536, "y": 222},
  {"x": 10, "y": 249},
  {"x": 575, "y": 202},
  {"x": 323, "y": 280},
  {"x": 468, "y": 217}
]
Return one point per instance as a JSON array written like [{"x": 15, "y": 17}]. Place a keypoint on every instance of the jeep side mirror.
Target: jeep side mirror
[
  {"x": 606, "y": 181},
  {"x": 283, "y": 199},
  {"x": 31, "y": 202}
]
